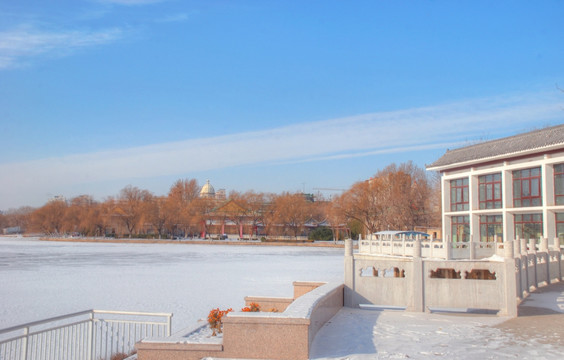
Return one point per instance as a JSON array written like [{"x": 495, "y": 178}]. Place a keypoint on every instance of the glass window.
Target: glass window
[
  {"x": 528, "y": 226},
  {"x": 559, "y": 184},
  {"x": 527, "y": 187},
  {"x": 560, "y": 227},
  {"x": 459, "y": 194},
  {"x": 460, "y": 228},
  {"x": 490, "y": 191},
  {"x": 491, "y": 225}
]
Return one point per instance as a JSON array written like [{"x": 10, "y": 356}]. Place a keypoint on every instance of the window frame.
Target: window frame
[
  {"x": 558, "y": 178},
  {"x": 461, "y": 190},
  {"x": 455, "y": 223},
  {"x": 523, "y": 222},
  {"x": 487, "y": 187},
  {"x": 525, "y": 179},
  {"x": 491, "y": 222}
]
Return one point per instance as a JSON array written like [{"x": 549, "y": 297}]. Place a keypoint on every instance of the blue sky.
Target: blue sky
[{"x": 272, "y": 96}]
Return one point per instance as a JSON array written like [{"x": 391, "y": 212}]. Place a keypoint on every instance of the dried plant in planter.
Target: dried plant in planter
[
  {"x": 253, "y": 307},
  {"x": 214, "y": 319}
]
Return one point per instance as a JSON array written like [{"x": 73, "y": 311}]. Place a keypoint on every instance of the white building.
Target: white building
[{"x": 506, "y": 188}]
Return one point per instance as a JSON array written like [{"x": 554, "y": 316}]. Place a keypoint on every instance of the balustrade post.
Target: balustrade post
[
  {"x": 348, "y": 247},
  {"x": 517, "y": 247},
  {"x": 535, "y": 260},
  {"x": 381, "y": 239},
  {"x": 523, "y": 246},
  {"x": 543, "y": 249},
  {"x": 543, "y": 245},
  {"x": 558, "y": 257},
  {"x": 417, "y": 247},
  {"x": 447, "y": 244},
  {"x": 532, "y": 246},
  {"x": 418, "y": 300},
  {"x": 403, "y": 246},
  {"x": 508, "y": 249},
  {"x": 510, "y": 279},
  {"x": 349, "y": 274},
  {"x": 472, "y": 249}
]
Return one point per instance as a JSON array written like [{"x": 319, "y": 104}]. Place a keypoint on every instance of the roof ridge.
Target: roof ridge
[
  {"x": 507, "y": 138},
  {"x": 514, "y": 144}
]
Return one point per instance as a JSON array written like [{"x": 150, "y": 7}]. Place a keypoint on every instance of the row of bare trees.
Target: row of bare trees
[{"x": 397, "y": 197}]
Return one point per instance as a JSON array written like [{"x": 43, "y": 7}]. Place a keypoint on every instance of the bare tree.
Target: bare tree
[
  {"x": 49, "y": 218},
  {"x": 361, "y": 202},
  {"x": 203, "y": 213},
  {"x": 292, "y": 211},
  {"x": 157, "y": 213},
  {"x": 131, "y": 206},
  {"x": 395, "y": 198},
  {"x": 257, "y": 205},
  {"x": 20, "y": 217},
  {"x": 181, "y": 205}
]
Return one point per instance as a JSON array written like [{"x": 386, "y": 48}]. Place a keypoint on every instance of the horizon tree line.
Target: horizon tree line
[{"x": 397, "y": 197}]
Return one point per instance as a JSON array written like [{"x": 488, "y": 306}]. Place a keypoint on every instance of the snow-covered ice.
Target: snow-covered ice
[{"x": 41, "y": 279}]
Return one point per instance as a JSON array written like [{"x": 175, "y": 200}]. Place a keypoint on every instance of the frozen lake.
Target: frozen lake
[
  {"x": 40, "y": 279},
  {"x": 43, "y": 279}
]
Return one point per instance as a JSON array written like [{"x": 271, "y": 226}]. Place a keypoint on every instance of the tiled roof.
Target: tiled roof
[{"x": 512, "y": 145}]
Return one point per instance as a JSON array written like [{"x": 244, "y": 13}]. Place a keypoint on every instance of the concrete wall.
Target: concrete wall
[
  {"x": 259, "y": 335},
  {"x": 286, "y": 335},
  {"x": 269, "y": 304},
  {"x": 255, "y": 336},
  {"x": 303, "y": 287}
]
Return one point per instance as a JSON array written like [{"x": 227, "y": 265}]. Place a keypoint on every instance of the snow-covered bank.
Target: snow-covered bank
[
  {"x": 43, "y": 279},
  {"x": 538, "y": 333},
  {"x": 370, "y": 334}
]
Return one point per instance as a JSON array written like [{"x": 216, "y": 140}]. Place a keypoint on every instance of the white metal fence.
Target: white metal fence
[{"x": 86, "y": 335}]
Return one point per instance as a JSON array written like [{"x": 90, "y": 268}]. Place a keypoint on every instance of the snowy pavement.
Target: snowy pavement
[{"x": 537, "y": 333}]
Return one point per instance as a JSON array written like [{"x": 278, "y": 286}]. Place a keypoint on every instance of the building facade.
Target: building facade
[{"x": 503, "y": 189}]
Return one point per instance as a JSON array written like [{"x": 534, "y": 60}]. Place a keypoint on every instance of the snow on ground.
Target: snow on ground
[
  {"x": 538, "y": 333},
  {"x": 391, "y": 334},
  {"x": 41, "y": 279}
]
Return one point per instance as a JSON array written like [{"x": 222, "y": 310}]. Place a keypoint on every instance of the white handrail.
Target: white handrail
[{"x": 93, "y": 337}]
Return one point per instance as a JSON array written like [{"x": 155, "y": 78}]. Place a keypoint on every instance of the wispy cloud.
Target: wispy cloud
[
  {"x": 402, "y": 131},
  {"x": 21, "y": 45}
]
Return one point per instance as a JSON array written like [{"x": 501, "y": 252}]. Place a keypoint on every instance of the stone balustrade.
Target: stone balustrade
[{"x": 402, "y": 273}]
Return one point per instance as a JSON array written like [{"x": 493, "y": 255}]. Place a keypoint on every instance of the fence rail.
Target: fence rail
[
  {"x": 430, "y": 248},
  {"x": 88, "y": 335}
]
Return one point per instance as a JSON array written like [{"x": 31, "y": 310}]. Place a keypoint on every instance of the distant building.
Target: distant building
[
  {"x": 12, "y": 230},
  {"x": 505, "y": 188},
  {"x": 220, "y": 194},
  {"x": 207, "y": 191},
  {"x": 58, "y": 198}
]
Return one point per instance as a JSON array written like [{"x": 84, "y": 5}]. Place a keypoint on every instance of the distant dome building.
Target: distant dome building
[{"x": 207, "y": 191}]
